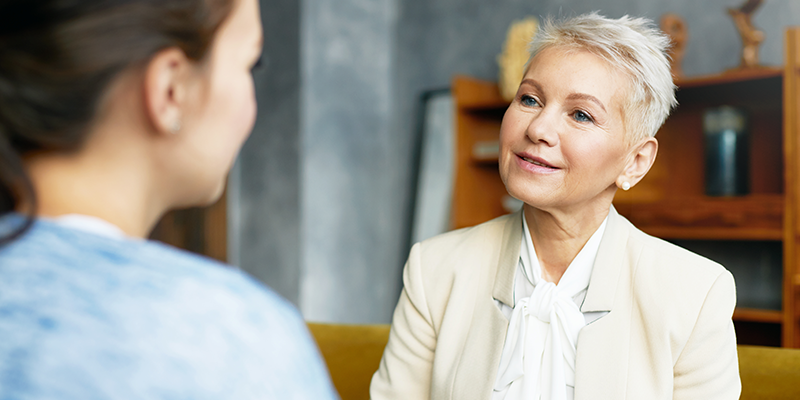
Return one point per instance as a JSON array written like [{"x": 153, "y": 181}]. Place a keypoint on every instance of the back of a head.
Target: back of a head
[
  {"x": 632, "y": 45},
  {"x": 57, "y": 60}
]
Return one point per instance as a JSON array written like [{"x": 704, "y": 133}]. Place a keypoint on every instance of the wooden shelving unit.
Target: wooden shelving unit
[
  {"x": 754, "y": 315},
  {"x": 670, "y": 202}
]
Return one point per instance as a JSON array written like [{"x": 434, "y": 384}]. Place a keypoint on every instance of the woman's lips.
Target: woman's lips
[{"x": 534, "y": 164}]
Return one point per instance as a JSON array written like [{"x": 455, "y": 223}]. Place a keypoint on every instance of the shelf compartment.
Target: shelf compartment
[
  {"x": 754, "y": 217},
  {"x": 476, "y": 94},
  {"x": 756, "y": 315}
]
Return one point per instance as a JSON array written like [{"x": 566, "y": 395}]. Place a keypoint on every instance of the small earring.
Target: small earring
[
  {"x": 626, "y": 186},
  {"x": 176, "y": 126}
]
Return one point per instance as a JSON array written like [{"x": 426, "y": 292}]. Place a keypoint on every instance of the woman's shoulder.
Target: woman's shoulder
[
  {"x": 669, "y": 267},
  {"x": 62, "y": 256},
  {"x": 672, "y": 286},
  {"x": 476, "y": 241},
  {"x": 124, "y": 306},
  {"x": 78, "y": 266},
  {"x": 466, "y": 255},
  {"x": 677, "y": 259},
  {"x": 48, "y": 245}
]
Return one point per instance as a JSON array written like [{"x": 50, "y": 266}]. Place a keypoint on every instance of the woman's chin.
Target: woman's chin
[
  {"x": 534, "y": 202},
  {"x": 214, "y": 195},
  {"x": 202, "y": 198},
  {"x": 537, "y": 196}
]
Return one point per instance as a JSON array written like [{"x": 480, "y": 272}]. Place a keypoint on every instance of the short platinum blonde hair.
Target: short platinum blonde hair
[{"x": 631, "y": 45}]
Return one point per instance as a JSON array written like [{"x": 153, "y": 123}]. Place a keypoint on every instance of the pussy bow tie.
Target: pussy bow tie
[{"x": 538, "y": 359}]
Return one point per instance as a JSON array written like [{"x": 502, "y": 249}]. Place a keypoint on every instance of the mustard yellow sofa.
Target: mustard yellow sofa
[
  {"x": 353, "y": 353},
  {"x": 769, "y": 373}
]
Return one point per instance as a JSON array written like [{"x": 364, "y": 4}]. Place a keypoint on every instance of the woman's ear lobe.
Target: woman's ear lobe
[{"x": 165, "y": 90}]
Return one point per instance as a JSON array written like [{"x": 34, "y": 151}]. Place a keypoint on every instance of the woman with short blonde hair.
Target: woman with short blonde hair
[{"x": 565, "y": 299}]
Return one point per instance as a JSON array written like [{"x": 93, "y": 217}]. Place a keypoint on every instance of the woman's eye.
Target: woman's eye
[
  {"x": 528, "y": 101},
  {"x": 581, "y": 116}
]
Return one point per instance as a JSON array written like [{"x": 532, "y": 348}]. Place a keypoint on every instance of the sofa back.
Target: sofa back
[{"x": 353, "y": 354}]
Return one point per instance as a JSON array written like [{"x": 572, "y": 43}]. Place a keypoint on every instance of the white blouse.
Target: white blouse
[
  {"x": 538, "y": 358},
  {"x": 91, "y": 224}
]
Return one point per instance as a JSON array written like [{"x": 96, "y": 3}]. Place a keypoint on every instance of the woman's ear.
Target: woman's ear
[
  {"x": 643, "y": 157},
  {"x": 165, "y": 81}
]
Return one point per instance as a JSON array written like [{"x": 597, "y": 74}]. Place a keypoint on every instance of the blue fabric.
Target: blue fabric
[{"x": 88, "y": 317}]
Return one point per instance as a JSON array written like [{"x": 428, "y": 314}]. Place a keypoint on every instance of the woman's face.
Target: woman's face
[
  {"x": 222, "y": 111},
  {"x": 563, "y": 142}
]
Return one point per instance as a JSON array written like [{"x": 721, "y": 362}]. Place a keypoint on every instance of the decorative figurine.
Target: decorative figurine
[
  {"x": 675, "y": 27},
  {"x": 515, "y": 55},
  {"x": 751, "y": 37}
]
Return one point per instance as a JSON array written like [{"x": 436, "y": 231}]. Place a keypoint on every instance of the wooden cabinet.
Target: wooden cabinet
[
  {"x": 756, "y": 235},
  {"x": 202, "y": 230}
]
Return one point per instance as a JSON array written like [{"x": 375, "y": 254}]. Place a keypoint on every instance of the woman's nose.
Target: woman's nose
[{"x": 543, "y": 128}]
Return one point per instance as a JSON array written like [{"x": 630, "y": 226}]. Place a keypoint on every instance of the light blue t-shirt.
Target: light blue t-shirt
[{"x": 83, "y": 317}]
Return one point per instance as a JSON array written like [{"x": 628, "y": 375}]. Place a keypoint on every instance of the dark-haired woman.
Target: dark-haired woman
[{"x": 111, "y": 113}]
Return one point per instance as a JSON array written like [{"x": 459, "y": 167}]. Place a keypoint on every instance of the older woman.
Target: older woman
[{"x": 566, "y": 299}]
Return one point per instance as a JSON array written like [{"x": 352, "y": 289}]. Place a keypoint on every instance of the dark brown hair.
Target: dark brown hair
[{"x": 58, "y": 57}]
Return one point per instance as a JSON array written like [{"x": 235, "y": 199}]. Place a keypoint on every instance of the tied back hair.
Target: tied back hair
[{"x": 59, "y": 57}]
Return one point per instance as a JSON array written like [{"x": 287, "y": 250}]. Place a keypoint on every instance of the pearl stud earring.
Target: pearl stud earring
[
  {"x": 626, "y": 186},
  {"x": 176, "y": 126}
]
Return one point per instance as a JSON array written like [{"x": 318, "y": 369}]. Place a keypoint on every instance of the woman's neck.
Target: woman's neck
[
  {"x": 559, "y": 236},
  {"x": 106, "y": 186}
]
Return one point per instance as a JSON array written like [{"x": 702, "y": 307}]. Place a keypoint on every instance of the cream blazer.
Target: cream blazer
[{"x": 668, "y": 333}]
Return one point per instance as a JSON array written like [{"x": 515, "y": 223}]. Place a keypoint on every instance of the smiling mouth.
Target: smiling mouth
[{"x": 534, "y": 162}]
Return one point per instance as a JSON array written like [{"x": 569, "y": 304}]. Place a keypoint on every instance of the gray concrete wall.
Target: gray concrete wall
[
  {"x": 264, "y": 189},
  {"x": 352, "y": 174},
  {"x": 318, "y": 199}
]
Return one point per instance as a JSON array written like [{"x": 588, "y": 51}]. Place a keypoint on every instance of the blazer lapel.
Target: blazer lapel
[
  {"x": 603, "y": 345},
  {"x": 503, "y": 288},
  {"x": 477, "y": 368},
  {"x": 607, "y": 266}
]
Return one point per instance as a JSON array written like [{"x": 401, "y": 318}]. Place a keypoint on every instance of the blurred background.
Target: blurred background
[{"x": 321, "y": 203}]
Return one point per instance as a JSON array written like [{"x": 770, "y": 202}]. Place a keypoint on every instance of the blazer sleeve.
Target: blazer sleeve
[
  {"x": 708, "y": 366},
  {"x": 407, "y": 363}
]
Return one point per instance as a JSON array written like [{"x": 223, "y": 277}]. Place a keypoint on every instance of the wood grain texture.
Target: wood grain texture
[
  {"x": 754, "y": 315},
  {"x": 791, "y": 93},
  {"x": 754, "y": 217},
  {"x": 478, "y": 191}
]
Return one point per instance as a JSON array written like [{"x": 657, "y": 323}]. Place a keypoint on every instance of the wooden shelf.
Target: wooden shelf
[
  {"x": 755, "y": 315},
  {"x": 476, "y": 94},
  {"x": 731, "y": 76},
  {"x": 754, "y": 217}
]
